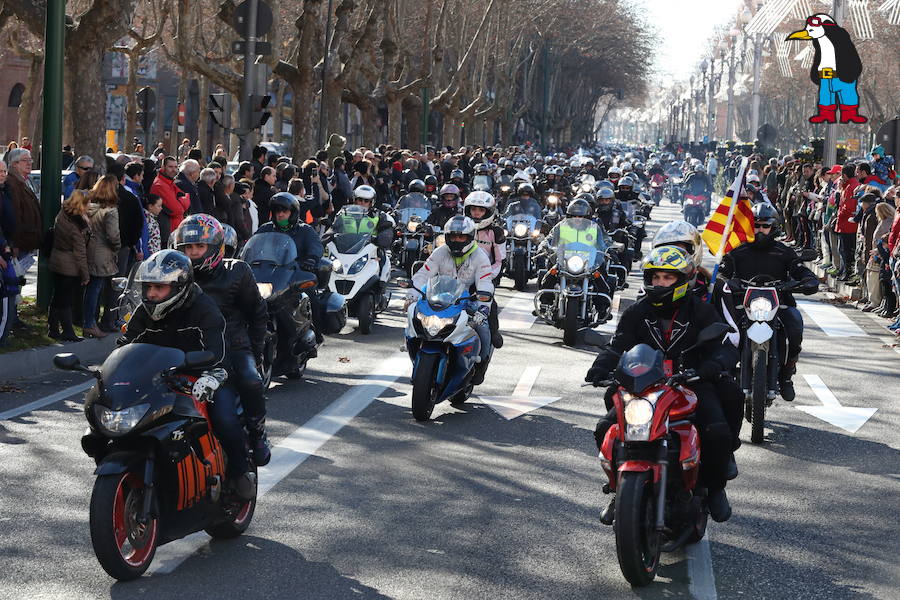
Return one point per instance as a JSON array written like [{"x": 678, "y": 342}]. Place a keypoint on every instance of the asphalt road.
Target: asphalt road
[{"x": 474, "y": 505}]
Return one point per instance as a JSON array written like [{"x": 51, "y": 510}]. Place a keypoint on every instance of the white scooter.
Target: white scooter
[{"x": 358, "y": 275}]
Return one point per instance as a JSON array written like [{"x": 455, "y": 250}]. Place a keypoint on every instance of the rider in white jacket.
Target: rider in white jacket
[{"x": 481, "y": 207}]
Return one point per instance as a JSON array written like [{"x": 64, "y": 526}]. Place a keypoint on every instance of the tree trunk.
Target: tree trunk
[
  {"x": 450, "y": 131},
  {"x": 30, "y": 98},
  {"x": 370, "y": 129},
  {"x": 334, "y": 114},
  {"x": 131, "y": 107},
  {"x": 303, "y": 142},
  {"x": 233, "y": 141},
  {"x": 84, "y": 61},
  {"x": 203, "y": 126},
  {"x": 412, "y": 109},
  {"x": 395, "y": 120},
  {"x": 490, "y": 126},
  {"x": 69, "y": 81}
]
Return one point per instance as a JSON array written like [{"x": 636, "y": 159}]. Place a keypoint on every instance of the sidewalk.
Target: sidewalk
[
  {"x": 34, "y": 361},
  {"x": 839, "y": 287}
]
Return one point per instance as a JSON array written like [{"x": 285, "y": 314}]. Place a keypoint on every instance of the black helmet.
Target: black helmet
[
  {"x": 285, "y": 201},
  {"x": 431, "y": 180},
  {"x": 460, "y": 225},
  {"x": 605, "y": 183},
  {"x": 201, "y": 229},
  {"x": 169, "y": 267},
  {"x": 579, "y": 207},
  {"x": 416, "y": 185},
  {"x": 457, "y": 174},
  {"x": 231, "y": 241},
  {"x": 765, "y": 214},
  {"x": 525, "y": 188}
]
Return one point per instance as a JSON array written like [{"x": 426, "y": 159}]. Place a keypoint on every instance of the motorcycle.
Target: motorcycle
[
  {"x": 579, "y": 262},
  {"x": 656, "y": 190},
  {"x": 360, "y": 276},
  {"x": 504, "y": 191},
  {"x": 161, "y": 471},
  {"x": 411, "y": 233},
  {"x": 523, "y": 234},
  {"x": 651, "y": 458},
  {"x": 554, "y": 211},
  {"x": 285, "y": 287},
  {"x": 694, "y": 209},
  {"x": 442, "y": 344},
  {"x": 764, "y": 346}
]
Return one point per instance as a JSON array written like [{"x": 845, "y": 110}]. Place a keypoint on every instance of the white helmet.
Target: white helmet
[
  {"x": 626, "y": 167},
  {"x": 485, "y": 201},
  {"x": 681, "y": 232},
  {"x": 614, "y": 171},
  {"x": 364, "y": 192},
  {"x": 465, "y": 226}
]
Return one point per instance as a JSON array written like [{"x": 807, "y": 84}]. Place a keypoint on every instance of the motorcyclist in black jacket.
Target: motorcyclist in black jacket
[
  {"x": 669, "y": 318},
  {"x": 286, "y": 219},
  {"x": 175, "y": 312},
  {"x": 767, "y": 256},
  {"x": 448, "y": 206},
  {"x": 231, "y": 284},
  {"x": 524, "y": 202}
]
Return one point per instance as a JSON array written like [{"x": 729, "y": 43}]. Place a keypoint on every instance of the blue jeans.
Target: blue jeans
[
  {"x": 223, "y": 412},
  {"x": 834, "y": 91},
  {"x": 92, "y": 300}
]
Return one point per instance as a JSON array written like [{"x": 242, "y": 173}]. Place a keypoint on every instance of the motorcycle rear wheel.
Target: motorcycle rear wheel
[
  {"x": 124, "y": 546},
  {"x": 570, "y": 321},
  {"x": 758, "y": 398},
  {"x": 637, "y": 541},
  {"x": 236, "y": 526},
  {"x": 424, "y": 391}
]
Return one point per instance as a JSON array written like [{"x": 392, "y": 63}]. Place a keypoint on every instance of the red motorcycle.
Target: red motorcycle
[
  {"x": 651, "y": 457},
  {"x": 657, "y": 184}
]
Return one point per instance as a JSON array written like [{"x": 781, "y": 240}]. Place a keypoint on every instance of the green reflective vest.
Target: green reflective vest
[
  {"x": 366, "y": 225},
  {"x": 569, "y": 235}
]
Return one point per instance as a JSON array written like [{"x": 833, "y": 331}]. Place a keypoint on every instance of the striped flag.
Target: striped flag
[{"x": 739, "y": 224}]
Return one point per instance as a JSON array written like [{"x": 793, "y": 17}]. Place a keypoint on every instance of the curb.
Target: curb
[
  {"x": 839, "y": 287},
  {"x": 35, "y": 361}
]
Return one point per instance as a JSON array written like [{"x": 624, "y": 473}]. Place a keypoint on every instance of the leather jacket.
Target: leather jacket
[
  {"x": 775, "y": 260},
  {"x": 232, "y": 285}
]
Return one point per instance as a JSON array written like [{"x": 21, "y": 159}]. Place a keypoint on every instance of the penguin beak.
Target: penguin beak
[{"x": 799, "y": 35}]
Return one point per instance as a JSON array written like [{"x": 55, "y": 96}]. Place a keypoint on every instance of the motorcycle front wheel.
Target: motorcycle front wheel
[
  {"x": 570, "y": 321},
  {"x": 365, "y": 308},
  {"x": 424, "y": 386},
  {"x": 758, "y": 398},
  {"x": 520, "y": 276},
  {"x": 637, "y": 541},
  {"x": 124, "y": 546}
]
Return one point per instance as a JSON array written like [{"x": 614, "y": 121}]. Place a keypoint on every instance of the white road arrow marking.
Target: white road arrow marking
[
  {"x": 516, "y": 314},
  {"x": 848, "y": 418},
  {"x": 510, "y": 407},
  {"x": 831, "y": 319}
]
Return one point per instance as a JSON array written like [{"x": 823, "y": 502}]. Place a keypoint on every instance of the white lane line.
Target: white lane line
[
  {"x": 293, "y": 450},
  {"x": 42, "y": 402},
  {"x": 521, "y": 401},
  {"x": 700, "y": 570},
  {"x": 516, "y": 314},
  {"x": 610, "y": 326},
  {"x": 831, "y": 320}
]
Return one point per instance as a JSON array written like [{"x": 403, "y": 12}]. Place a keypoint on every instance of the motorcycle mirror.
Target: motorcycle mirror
[
  {"x": 590, "y": 337},
  {"x": 484, "y": 296},
  {"x": 199, "y": 358},
  {"x": 67, "y": 362},
  {"x": 713, "y": 332},
  {"x": 386, "y": 207},
  {"x": 119, "y": 283},
  {"x": 404, "y": 283}
]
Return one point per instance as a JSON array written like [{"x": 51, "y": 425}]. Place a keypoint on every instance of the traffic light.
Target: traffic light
[
  {"x": 145, "y": 119},
  {"x": 217, "y": 109},
  {"x": 146, "y": 102},
  {"x": 259, "y": 116}
]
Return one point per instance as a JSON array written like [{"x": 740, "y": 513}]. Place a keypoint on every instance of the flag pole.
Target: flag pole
[{"x": 735, "y": 190}]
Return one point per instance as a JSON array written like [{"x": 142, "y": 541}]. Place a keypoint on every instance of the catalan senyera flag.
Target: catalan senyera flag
[{"x": 741, "y": 227}]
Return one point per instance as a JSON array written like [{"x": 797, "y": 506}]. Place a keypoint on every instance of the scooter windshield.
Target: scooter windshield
[
  {"x": 130, "y": 373},
  {"x": 405, "y": 215},
  {"x": 482, "y": 183},
  {"x": 443, "y": 291},
  {"x": 273, "y": 248},
  {"x": 414, "y": 201},
  {"x": 525, "y": 206},
  {"x": 580, "y": 245},
  {"x": 640, "y": 368},
  {"x": 353, "y": 228}
]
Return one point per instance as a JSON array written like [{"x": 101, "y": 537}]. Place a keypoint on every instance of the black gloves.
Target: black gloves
[
  {"x": 598, "y": 372},
  {"x": 310, "y": 264}
]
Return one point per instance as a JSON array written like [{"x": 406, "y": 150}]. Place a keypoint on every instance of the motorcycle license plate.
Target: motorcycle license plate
[{"x": 667, "y": 368}]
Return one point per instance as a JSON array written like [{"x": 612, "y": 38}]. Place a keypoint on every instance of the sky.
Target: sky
[{"x": 684, "y": 26}]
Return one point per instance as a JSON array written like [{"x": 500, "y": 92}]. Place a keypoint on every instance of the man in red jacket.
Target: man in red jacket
[
  {"x": 844, "y": 227},
  {"x": 175, "y": 201}
]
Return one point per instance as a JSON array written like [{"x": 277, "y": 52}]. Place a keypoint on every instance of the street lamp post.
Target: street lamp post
[
  {"x": 729, "y": 117},
  {"x": 711, "y": 103}
]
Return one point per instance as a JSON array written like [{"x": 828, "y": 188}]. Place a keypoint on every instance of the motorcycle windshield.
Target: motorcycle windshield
[
  {"x": 582, "y": 238},
  {"x": 273, "y": 248},
  {"x": 483, "y": 183},
  {"x": 443, "y": 291},
  {"x": 528, "y": 206},
  {"x": 353, "y": 228},
  {"x": 521, "y": 225},
  {"x": 130, "y": 373},
  {"x": 640, "y": 368},
  {"x": 405, "y": 215},
  {"x": 414, "y": 201}
]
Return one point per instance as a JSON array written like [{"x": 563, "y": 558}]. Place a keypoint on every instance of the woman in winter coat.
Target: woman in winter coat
[
  {"x": 102, "y": 250},
  {"x": 69, "y": 264},
  {"x": 885, "y": 215}
]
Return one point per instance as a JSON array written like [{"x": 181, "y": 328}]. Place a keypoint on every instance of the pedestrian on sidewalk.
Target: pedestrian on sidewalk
[
  {"x": 877, "y": 263},
  {"x": 102, "y": 251},
  {"x": 844, "y": 226},
  {"x": 69, "y": 264}
]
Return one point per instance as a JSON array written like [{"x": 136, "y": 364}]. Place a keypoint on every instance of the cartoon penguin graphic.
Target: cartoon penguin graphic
[{"x": 835, "y": 69}]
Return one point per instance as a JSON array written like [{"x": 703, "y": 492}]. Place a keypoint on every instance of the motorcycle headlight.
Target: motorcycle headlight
[
  {"x": 119, "y": 422},
  {"x": 433, "y": 323},
  {"x": 536, "y": 233},
  {"x": 552, "y": 200},
  {"x": 336, "y": 265},
  {"x": 575, "y": 264},
  {"x": 638, "y": 414},
  {"x": 412, "y": 226},
  {"x": 505, "y": 188},
  {"x": 520, "y": 230},
  {"x": 759, "y": 309},
  {"x": 358, "y": 265},
  {"x": 265, "y": 289}
]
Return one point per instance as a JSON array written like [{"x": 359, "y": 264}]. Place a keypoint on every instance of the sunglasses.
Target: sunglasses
[
  {"x": 760, "y": 226},
  {"x": 817, "y": 22}
]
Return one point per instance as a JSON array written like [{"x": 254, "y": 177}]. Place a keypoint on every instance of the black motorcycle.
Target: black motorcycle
[
  {"x": 161, "y": 471},
  {"x": 290, "y": 335}
]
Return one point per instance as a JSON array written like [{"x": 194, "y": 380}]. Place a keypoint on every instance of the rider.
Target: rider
[
  {"x": 766, "y": 256},
  {"x": 697, "y": 183},
  {"x": 461, "y": 257},
  {"x": 482, "y": 209},
  {"x": 630, "y": 199},
  {"x": 669, "y": 318},
  {"x": 231, "y": 284},
  {"x": 286, "y": 219},
  {"x": 458, "y": 178},
  {"x": 378, "y": 223},
  {"x": 231, "y": 241},
  {"x": 448, "y": 206},
  {"x": 524, "y": 202},
  {"x": 174, "y": 312}
]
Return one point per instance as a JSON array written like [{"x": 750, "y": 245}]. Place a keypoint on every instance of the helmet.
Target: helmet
[
  {"x": 765, "y": 213},
  {"x": 614, "y": 173},
  {"x": 626, "y": 182},
  {"x": 285, "y": 201},
  {"x": 605, "y": 183},
  {"x": 430, "y": 183},
  {"x": 231, "y": 240},
  {"x": 525, "y": 188},
  {"x": 448, "y": 189},
  {"x": 520, "y": 164},
  {"x": 549, "y": 170},
  {"x": 531, "y": 172},
  {"x": 416, "y": 185},
  {"x": 481, "y": 169},
  {"x": 202, "y": 229},
  {"x": 675, "y": 233},
  {"x": 521, "y": 177},
  {"x": 559, "y": 171},
  {"x": 626, "y": 167},
  {"x": 579, "y": 207},
  {"x": 457, "y": 174},
  {"x": 670, "y": 259},
  {"x": 460, "y": 225},
  {"x": 485, "y": 201},
  {"x": 752, "y": 182},
  {"x": 365, "y": 193},
  {"x": 506, "y": 162},
  {"x": 169, "y": 267}
]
